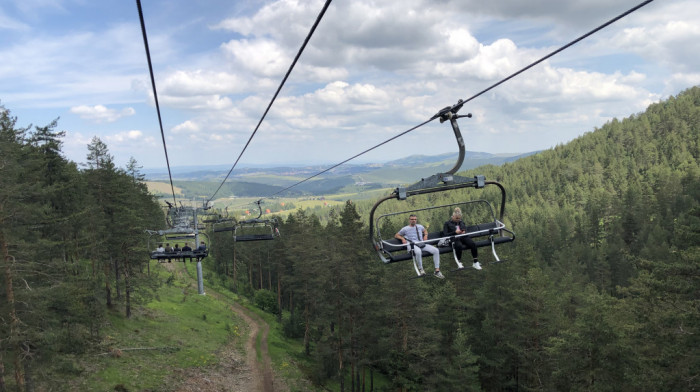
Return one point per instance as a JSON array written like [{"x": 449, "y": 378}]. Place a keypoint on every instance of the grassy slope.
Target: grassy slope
[
  {"x": 162, "y": 187},
  {"x": 177, "y": 330},
  {"x": 180, "y": 329},
  {"x": 286, "y": 354}
]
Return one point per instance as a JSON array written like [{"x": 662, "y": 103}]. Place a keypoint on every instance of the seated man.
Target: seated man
[
  {"x": 415, "y": 232},
  {"x": 202, "y": 248},
  {"x": 186, "y": 248}
]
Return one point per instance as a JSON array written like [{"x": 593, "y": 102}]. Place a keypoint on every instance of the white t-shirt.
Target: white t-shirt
[{"x": 414, "y": 233}]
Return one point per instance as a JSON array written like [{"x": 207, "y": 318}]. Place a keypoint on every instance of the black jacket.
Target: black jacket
[{"x": 450, "y": 227}]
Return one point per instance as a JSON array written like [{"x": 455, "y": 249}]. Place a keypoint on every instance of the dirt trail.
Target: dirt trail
[
  {"x": 234, "y": 372},
  {"x": 265, "y": 378}
]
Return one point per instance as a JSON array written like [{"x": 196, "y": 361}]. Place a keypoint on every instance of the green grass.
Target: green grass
[
  {"x": 287, "y": 355},
  {"x": 181, "y": 329}
]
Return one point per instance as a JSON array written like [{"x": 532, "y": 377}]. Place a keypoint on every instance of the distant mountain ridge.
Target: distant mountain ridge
[{"x": 413, "y": 167}]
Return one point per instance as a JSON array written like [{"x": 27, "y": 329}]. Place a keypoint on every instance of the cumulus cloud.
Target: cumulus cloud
[
  {"x": 372, "y": 69},
  {"x": 200, "y": 82},
  {"x": 410, "y": 58},
  {"x": 197, "y": 102},
  {"x": 262, "y": 57},
  {"x": 673, "y": 43},
  {"x": 100, "y": 113},
  {"x": 125, "y": 136},
  {"x": 188, "y": 126}
]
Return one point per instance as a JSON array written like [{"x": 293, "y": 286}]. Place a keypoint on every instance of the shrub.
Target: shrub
[{"x": 266, "y": 300}]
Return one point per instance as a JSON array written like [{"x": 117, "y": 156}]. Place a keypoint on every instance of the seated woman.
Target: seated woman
[
  {"x": 169, "y": 249},
  {"x": 456, "y": 226}
]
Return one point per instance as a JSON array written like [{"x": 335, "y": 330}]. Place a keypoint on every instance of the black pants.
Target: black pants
[{"x": 465, "y": 243}]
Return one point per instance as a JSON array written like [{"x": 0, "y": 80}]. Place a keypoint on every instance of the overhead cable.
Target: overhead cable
[
  {"x": 437, "y": 115},
  {"x": 155, "y": 95},
  {"x": 353, "y": 157},
  {"x": 289, "y": 71}
]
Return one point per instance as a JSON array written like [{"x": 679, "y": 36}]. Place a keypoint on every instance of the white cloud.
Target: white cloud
[
  {"x": 126, "y": 136},
  {"x": 100, "y": 113},
  {"x": 201, "y": 82},
  {"x": 371, "y": 70},
  {"x": 387, "y": 66},
  {"x": 188, "y": 126},
  {"x": 260, "y": 57},
  {"x": 675, "y": 44},
  {"x": 197, "y": 102}
]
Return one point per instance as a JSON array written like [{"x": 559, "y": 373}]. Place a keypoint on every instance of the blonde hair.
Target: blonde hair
[{"x": 457, "y": 213}]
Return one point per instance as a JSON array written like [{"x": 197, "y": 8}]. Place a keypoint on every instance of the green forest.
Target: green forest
[{"x": 600, "y": 291}]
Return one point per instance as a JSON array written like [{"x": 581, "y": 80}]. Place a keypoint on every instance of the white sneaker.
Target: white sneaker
[
  {"x": 422, "y": 272},
  {"x": 476, "y": 265},
  {"x": 439, "y": 275},
  {"x": 460, "y": 265}
]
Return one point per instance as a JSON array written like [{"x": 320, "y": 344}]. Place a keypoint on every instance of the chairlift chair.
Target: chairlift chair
[
  {"x": 256, "y": 229},
  {"x": 491, "y": 232},
  {"x": 173, "y": 234}
]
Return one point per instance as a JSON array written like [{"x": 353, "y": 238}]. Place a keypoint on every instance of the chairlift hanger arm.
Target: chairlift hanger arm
[
  {"x": 259, "y": 203},
  {"x": 449, "y": 113}
]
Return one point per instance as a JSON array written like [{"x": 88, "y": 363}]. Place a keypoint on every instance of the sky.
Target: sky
[{"x": 372, "y": 70}]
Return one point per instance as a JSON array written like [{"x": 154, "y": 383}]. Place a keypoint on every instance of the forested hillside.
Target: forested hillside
[
  {"x": 601, "y": 290},
  {"x": 72, "y": 248}
]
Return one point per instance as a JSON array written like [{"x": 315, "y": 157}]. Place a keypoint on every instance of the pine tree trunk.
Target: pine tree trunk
[
  {"x": 108, "y": 288},
  {"x": 353, "y": 358},
  {"x": 250, "y": 275},
  {"x": 116, "y": 278},
  {"x": 3, "y": 388},
  {"x": 28, "y": 383},
  {"x": 352, "y": 376},
  {"x": 14, "y": 320},
  {"x": 235, "y": 270},
  {"x": 269, "y": 271},
  {"x": 5, "y": 258},
  {"x": 339, "y": 340},
  {"x": 279, "y": 298},
  {"x": 127, "y": 287},
  {"x": 307, "y": 323},
  {"x": 364, "y": 370},
  {"x": 226, "y": 270}
]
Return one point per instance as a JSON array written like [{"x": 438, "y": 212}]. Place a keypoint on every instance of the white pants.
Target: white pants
[{"x": 419, "y": 255}]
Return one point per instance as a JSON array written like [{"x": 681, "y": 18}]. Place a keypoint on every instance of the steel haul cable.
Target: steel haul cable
[
  {"x": 289, "y": 71},
  {"x": 155, "y": 95},
  {"x": 582, "y": 37}
]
